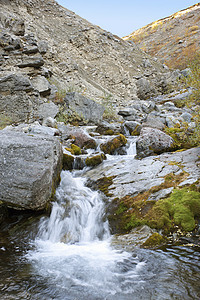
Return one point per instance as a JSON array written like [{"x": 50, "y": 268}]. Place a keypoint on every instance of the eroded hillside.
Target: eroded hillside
[
  {"x": 80, "y": 56},
  {"x": 173, "y": 40}
]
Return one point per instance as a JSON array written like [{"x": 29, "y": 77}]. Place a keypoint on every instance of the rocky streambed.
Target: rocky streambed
[{"x": 114, "y": 227}]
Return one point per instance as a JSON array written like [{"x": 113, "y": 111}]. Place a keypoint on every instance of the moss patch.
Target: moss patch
[
  {"x": 95, "y": 160},
  {"x": 104, "y": 183},
  {"x": 181, "y": 208},
  {"x": 154, "y": 240},
  {"x": 76, "y": 150}
]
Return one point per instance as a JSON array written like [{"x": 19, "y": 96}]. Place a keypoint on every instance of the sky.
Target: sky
[{"x": 123, "y": 17}]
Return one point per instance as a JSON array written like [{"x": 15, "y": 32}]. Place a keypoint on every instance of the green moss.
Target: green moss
[
  {"x": 181, "y": 208},
  {"x": 109, "y": 132},
  {"x": 104, "y": 183},
  {"x": 95, "y": 160},
  {"x": 68, "y": 161},
  {"x": 76, "y": 150},
  {"x": 154, "y": 240},
  {"x": 114, "y": 144},
  {"x": 121, "y": 208},
  {"x": 133, "y": 222}
]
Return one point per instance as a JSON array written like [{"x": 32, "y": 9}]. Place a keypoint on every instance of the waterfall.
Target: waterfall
[{"x": 77, "y": 216}]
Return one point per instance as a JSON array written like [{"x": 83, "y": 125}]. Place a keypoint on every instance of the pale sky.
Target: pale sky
[{"x": 123, "y": 17}]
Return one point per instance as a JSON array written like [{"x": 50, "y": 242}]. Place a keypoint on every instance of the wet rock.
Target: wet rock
[
  {"x": 95, "y": 160},
  {"x": 30, "y": 169},
  {"x": 75, "y": 149},
  {"x": 153, "y": 141},
  {"x": 133, "y": 127},
  {"x": 155, "y": 240},
  {"x": 135, "y": 238},
  {"x": 132, "y": 176},
  {"x": 86, "y": 108},
  {"x": 68, "y": 161},
  {"x": 114, "y": 144},
  {"x": 78, "y": 136}
]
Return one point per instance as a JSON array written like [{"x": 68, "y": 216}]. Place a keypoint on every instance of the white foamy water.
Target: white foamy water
[{"x": 73, "y": 245}]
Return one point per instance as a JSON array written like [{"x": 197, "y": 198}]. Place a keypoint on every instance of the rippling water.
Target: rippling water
[{"x": 68, "y": 256}]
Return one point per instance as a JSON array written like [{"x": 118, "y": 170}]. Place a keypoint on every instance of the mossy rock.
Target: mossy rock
[
  {"x": 104, "y": 183},
  {"x": 68, "y": 162},
  {"x": 182, "y": 208},
  {"x": 109, "y": 132},
  {"x": 111, "y": 146},
  {"x": 90, "y": 144},
  {"x": 154, "y": 241},
  {"x": 95, "y": 160},
  {"x": 76, "y": 150}
]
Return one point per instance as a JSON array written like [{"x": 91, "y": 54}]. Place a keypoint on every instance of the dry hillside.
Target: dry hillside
[
  {"x": 80, "y": 56},
  {"x": 173, "y": 40}
]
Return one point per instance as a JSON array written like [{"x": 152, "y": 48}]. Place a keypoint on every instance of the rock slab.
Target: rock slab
[{"x": 29, "y": 169}]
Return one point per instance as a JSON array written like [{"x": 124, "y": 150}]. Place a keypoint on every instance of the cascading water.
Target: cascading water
[
  {"x": 78, "y": 214},
  {"x": 74, "y": 243}
]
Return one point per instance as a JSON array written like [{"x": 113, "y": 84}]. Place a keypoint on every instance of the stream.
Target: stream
[{"x": 68, "y": 254}]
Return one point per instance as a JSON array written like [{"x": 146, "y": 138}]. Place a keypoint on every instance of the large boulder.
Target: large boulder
[
  {"x": 153, "y": 141},
  {"x": 16, "y": 103},
  {"x": 29, "y": 169},
  {"x": 86, "y": 108}
]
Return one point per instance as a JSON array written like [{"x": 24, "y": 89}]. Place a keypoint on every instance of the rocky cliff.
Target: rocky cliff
[
  {"x": 47, "y": 50},
  {"x": 173, "y": 40}
]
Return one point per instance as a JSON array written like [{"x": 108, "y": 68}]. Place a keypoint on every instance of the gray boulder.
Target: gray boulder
[
  {"x": 153, "y": 122},
  {"x": 153, "y": 141},
  {"x": 48, "y": 109},
  {"x": 29, "y": 169},
  {"x": 144, "y": 88},
  {"x": 31, "y": 61},
  {"x": 86, "y": 108},
  {"x": 15, "y": 82},
  {"x": 41, "y": 84}
]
